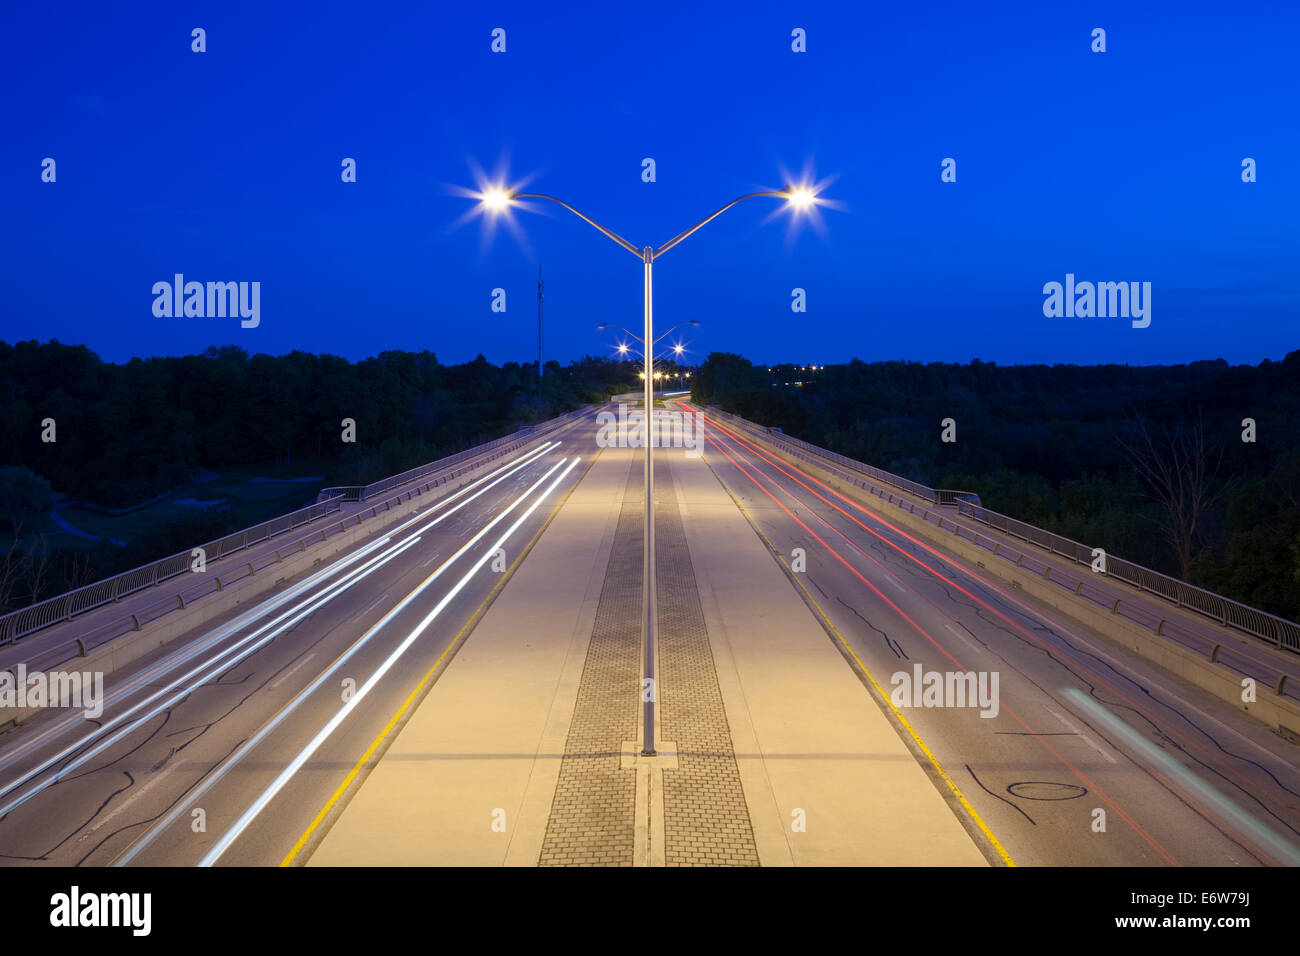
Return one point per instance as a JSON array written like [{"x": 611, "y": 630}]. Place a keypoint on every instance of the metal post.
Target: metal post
[
  {"x": 498, "y": 199},
  {"x": 650, "y": 596}
]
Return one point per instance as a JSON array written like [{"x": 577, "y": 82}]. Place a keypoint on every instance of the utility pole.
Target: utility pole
[{"x": 539, "y": 324}]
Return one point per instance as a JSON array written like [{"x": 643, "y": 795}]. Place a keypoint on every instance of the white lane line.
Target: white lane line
[
  {"x": 321, "y": 597},
  {"x": 159, "y": 777},
  {"x": 373, "y": 604},
  {"x": 1148, "y": 679},
  {"x": 134, "y": 797},
  {"x": 965, "y": 638},
  {"x": 305, "y": 754},
  {"x": 198, "y": 647},
  {"x": 339, "y": 587},
  {"x": 524, "y": 463},
  {"x": 181, "y": 807},
  {"x": 291, "y": 671},
  {"x": 209, "y": 640},
  {"x": 1092, "y": 743},
  {"x": 1278, "y": 845},
  {"x": 234, "y": 647}
]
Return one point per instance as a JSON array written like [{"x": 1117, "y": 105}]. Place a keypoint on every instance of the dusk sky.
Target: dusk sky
[{"x": 225, "y": 166}]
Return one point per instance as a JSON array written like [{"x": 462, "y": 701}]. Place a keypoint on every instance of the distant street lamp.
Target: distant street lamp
[
  {"x": 623, "y": 349},
  {"x": 498, "y": 200},
  {"x": 612, "y": 325}
]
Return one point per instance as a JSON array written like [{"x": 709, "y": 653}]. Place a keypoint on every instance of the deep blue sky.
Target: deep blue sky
[{"x": 225, "y": 166}]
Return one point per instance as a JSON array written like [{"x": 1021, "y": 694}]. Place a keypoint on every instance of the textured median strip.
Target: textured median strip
[
  {"x": 701, "y": 804},
  {"x": 768, "y": 724},
  {"x": 593, "y": 814},
  {"x": 706, "y": 820}
]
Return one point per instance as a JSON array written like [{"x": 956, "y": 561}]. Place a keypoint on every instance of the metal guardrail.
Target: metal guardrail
[
  {"x": 938, "y": 496},
  {"x": 634, "y": 397},
  {"x": 65, "y": 607},
  {"x": 1277, "y": 631},
  {"x": 366, "y": 492}
]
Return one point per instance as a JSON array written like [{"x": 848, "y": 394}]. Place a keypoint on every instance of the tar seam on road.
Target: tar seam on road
[
  {"x": 403, "y": 713},
  {"x": 985, "y": 839}
]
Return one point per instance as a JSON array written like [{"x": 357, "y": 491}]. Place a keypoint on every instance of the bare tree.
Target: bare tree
[
  {"x": 12, "y": 567},
  {"x": 80, "y": 570},
  {"x": 1180, "y": 469},
  {"x": 24, "y": 497},
  {"x": 38, "y": 567},
  {"x": 1289, "y": 482}
]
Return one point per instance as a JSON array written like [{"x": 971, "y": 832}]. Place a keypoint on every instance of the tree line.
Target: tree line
[
  {"x": 1156, "y": 464},
  {"x": 126, "y": 433}
]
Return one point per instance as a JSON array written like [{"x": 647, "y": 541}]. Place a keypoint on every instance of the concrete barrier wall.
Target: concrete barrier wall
[
  {"x": 130, "y": 647},
  {"x": 1268, "y": 707}
]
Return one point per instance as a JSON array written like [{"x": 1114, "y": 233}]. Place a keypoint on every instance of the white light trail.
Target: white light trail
[
  {"x": 304, "y": 755},
  {"x": 296, "y": 613},
  {"x": 207, "y": 670}
]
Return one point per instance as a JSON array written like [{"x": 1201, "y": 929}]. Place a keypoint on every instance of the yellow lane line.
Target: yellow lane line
[
  {"x": 929, "y": 755},
  {"x": 424, "y": 682}
]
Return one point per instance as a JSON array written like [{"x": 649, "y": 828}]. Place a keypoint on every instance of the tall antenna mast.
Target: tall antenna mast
[{"x": 539, "y": 324}]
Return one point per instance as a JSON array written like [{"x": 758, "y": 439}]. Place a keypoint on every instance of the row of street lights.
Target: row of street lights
[
  {"x": 498, "y": 200},
  {"x": 678, "y": 350}
]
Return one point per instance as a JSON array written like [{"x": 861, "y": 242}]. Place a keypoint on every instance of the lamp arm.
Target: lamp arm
[
  {"x": 587, "y": 219},
  {"x": 703, "y": 222}
]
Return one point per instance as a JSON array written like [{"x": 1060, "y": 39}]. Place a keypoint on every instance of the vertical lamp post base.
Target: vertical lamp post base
[{"x": 650, "y": 594}]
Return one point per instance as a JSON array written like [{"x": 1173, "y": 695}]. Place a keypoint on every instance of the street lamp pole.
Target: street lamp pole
[
  {"x": 500, "y": 199},
  {"x": 650, "y": 592}
]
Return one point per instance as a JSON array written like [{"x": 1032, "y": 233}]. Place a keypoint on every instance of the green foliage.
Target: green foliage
[
  {"x": 129, "y": 433},
  {"x": 24, "y": 496},
  {"x": 1043, "y": 444},
  {"x": 724, "y": 375}
]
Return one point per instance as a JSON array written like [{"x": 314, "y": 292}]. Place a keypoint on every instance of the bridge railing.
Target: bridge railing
[
  {"x": 1268, "y": 627},
  {"x": 507, "y": 443},
  {"x": 72, "y": 604},
  {"x": 1275, "y": 630},
  {"x": 938, "y": 496},
  {"x": 65, "y": 607}
]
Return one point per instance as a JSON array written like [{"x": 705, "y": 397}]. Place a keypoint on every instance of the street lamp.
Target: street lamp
[
  {"x": 801, "y": 198},
  {"x": 497, "y": 200},
  {"x": 623, "y": 349},
  {"x": 612, "y": 325},
  {"x": 678, "y": 350}
]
